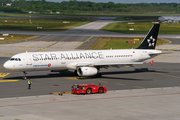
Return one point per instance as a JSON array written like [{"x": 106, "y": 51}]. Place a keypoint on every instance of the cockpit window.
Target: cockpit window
[
  {"x": 76, "y": 87},
  {"x": 15, "y": 59},
  {"x": 12, "y": 59}
]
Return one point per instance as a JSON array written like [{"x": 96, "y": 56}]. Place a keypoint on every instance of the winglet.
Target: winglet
[
  {"x": 149, "y": 41},
  {"x": 151, "y": 62}
]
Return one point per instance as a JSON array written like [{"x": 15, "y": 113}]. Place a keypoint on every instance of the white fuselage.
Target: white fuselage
[{"x": 64, "y": 60}]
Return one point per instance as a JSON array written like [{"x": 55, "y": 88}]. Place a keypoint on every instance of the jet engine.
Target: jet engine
[{"x": 87, "y": 71}]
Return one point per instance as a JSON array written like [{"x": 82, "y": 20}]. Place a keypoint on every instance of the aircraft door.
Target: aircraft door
[
  {"x": 29, "y": 59},
  {"x": 141, "y": 56},
  {"x": 63, "y": 61},
  {"x": 101, "y": 56}
]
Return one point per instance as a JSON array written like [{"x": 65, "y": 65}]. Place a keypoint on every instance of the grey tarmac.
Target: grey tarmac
[
  {"x": 146, "y": 104},
  {"x": 144, "y": 92}
]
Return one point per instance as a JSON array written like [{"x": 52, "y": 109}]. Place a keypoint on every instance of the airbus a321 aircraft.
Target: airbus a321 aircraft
[{"x": 85, "y": 62}]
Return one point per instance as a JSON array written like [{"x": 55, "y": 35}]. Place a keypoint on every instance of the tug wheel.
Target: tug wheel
[
  {"x": 89, "y": 91},
  {"x": 101, "y": 90}
]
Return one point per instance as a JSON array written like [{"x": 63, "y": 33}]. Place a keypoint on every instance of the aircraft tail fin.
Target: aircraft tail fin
[{"x": 149, "y": 41}]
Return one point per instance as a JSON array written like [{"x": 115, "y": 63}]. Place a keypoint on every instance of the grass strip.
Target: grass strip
[
  {"x": 42, "y": 24},
  {"x": 120, "y": 43},
  {"x": 142, "y": 27},
  {"x": 137, "y": 18},
  {"x": 15, "y": 38}
]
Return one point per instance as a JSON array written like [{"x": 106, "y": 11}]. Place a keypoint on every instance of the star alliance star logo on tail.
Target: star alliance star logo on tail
[{"x": 151, "y": 41}]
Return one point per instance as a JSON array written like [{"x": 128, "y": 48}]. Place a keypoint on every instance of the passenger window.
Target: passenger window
[{"x": 16, "y": 59}]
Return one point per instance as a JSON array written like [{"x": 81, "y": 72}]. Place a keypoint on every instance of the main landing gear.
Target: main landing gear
[
  {"x": 98, "y": 75},
  {"x": 75, "y": 73},
  {"x": 24, "y": 77}
]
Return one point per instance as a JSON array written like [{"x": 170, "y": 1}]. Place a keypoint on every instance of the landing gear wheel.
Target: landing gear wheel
[
  {"x": 88, "y": 91},
  {"x": 98, "y": 75},
  {"x": 24, "y": 77},
  {"x": 101, "y": 90},
  {"x": 75, "y": 73}
]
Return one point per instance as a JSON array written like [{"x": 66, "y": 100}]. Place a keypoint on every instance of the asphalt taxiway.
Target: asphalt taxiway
[
  {"x": 146, "y": 104},
  {"x": 114, "y": 79},
  {"x": 143, "y": 92},
  {"x": 45, "y": 82}
]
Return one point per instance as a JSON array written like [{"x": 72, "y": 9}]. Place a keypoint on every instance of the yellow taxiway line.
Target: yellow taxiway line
[
  {"x": 103, "y": 81},
  {"x": 84, "y": 42},
  {"x": 9, "y": 80},
  {"x": 120, "y": 84},
  {"x": 139, "y": 87},
  {"x": 4, "y": 74},
  {"x": 168, "y": 75},
  {"x": 77, "y": 78},
  {"x": 1, "y": 67},
  {"x": 7, "y": 53}
]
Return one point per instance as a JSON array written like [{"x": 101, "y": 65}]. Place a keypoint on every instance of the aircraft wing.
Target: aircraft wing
[{"x": 106, "y": 64}]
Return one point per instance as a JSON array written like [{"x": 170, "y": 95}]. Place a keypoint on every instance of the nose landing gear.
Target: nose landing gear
[{"x": 24, "y": 77}]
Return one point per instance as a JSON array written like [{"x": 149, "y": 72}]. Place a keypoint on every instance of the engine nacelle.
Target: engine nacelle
[{"x": 87, "y": 71}]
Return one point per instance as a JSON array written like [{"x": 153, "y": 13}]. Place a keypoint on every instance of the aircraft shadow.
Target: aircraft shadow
[
  {"x": 50, "y": 75},
  {"x": 71, "y": 74},
  {"x": 141, "y": 70},
  {"x": 133, "y": 79}
]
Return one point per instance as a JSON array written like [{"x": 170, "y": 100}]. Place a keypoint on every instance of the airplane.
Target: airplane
[{"x": 85, "y": 62}]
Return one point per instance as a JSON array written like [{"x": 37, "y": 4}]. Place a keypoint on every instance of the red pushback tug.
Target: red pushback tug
[{"x": 87, "y": 89}]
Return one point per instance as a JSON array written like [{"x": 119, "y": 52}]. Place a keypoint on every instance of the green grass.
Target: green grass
[
  {"x": 129, "y": 18},
  {"x": 120, "y": 43},
  {"x": 47, "y": 24},
  {"x": 142, "y": 27},
  {"x": 98, "y": 13},
  {"x": 15, "y": 38}
]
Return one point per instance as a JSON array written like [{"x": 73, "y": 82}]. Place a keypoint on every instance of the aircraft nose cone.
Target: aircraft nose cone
[{"x": 7, "y": 65}]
